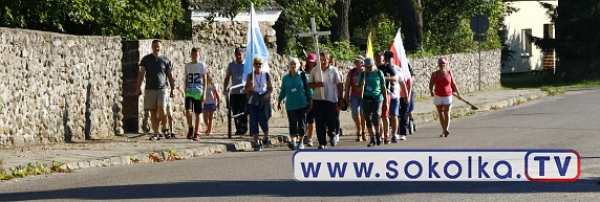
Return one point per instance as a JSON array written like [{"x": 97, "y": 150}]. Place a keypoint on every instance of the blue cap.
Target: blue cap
[{"x": 369, "y": 62}]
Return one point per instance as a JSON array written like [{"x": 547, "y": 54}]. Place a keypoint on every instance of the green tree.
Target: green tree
[
  {"x": 446, "y": 24},
  {"x": 578, "y": 40},
  {"x": 131, "y": 19}
]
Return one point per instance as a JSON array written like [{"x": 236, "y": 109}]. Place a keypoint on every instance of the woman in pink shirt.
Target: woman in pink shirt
[{"x": 442, "y": 94}]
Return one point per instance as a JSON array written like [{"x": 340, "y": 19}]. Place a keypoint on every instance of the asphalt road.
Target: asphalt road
[{"x": 568, "y": 121}]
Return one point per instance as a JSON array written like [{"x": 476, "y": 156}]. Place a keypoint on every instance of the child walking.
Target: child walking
[
  {"x": 211, "y": 103},
  {"x": 195, "y": 77}
]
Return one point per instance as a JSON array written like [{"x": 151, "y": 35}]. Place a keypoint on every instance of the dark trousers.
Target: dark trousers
[
  {"x": 297, "y": 121},
  {"x": 238, "y": 105},
  {"x": 325, "y": 119},
  {"x": 403, "y": 117}
]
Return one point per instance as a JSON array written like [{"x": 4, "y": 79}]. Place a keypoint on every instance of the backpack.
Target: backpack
[{"x": 305, "y": 84}]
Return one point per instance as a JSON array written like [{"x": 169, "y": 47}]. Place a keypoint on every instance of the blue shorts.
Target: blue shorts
[
  {"x": 394, "y": 106},
  {"x": 355, "y": 106}
]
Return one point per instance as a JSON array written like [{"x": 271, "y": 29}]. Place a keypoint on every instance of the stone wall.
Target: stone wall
[
  {"x": 231, "y": 33},
  {"x": 53, "y": 84},
  {"x": 464, "y": 67}
]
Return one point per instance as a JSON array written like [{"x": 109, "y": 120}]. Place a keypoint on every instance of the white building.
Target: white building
[{"x": 530, "y": 19}]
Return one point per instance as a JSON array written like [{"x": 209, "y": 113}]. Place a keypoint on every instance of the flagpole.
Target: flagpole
[{"x": 252, "y": 41}]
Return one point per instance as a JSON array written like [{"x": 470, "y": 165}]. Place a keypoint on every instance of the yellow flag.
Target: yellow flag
[{"x": 370, "y": 53}]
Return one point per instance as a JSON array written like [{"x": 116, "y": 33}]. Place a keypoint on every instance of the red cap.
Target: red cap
[
  {"x": 311, "y": 57},
  {"x": 443, "y": 60}
]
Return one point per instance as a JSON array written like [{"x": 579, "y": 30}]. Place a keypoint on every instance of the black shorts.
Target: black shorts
[
  {"x": 193, "y": 104},
  {"x": 310, "y": 118}
]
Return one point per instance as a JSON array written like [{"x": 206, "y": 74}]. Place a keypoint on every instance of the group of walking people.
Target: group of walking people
[{"x": 378, "y": 93}]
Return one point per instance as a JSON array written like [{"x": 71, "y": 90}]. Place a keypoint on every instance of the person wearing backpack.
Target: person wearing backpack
[
  {"x": 353, "y": 96},
  {"x": 259, "y": 88},
  {"x": 294, "y": 89},
  {"x": 372, "y": 82}
]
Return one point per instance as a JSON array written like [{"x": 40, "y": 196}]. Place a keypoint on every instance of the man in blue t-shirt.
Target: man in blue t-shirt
[{"x": 235, "y": 73}]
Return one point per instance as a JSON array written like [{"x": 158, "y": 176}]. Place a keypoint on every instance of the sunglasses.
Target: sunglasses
[{"x": 257, "y": 63}]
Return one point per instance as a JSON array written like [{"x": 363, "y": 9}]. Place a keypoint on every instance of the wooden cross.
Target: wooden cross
[{"x": 315, "y": 35}]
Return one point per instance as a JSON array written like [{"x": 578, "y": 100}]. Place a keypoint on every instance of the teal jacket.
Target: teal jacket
[{"x": 295, "y": 91}]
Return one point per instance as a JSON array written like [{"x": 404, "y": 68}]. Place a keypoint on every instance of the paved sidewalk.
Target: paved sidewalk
[{"x": 133, "y": 148}]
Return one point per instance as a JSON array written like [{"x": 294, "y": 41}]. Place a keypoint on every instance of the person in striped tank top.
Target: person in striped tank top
[{"x": 259, "y": 88}]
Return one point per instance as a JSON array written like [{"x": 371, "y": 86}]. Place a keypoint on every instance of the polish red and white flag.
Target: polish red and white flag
[{"x": 400, "y": 58}]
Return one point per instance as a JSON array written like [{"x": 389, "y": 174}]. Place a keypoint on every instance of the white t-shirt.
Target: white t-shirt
[
  {"x": 331, "y": 78},
  {"x": 210, "y": 97},
  {"x": 193, "y": 74}
]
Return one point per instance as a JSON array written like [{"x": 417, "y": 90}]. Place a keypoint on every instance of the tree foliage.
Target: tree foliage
[
  {"x": 131, "y": 19},
  {"x": 578, "y": 39},
  {"x": 445, "y": 26},
  {"x": 445, "y": 23}
]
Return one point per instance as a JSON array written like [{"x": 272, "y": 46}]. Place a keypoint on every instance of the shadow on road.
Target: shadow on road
[{"x": 289, "y": 188}]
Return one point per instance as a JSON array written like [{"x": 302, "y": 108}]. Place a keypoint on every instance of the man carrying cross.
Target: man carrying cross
[{"x": 327, "y": 100}]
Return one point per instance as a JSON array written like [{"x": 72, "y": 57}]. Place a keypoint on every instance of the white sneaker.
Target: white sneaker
[{"x": 403, "y": 137}]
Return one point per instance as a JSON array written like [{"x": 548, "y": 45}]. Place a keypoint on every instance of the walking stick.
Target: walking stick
[{"x": 473, "y": 107}]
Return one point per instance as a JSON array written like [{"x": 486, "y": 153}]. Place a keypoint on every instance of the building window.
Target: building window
[{"x": 526, "y": 43}]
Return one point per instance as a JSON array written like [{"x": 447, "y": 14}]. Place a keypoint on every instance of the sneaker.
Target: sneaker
[
  {"x": 190, "y": 135},
  {"x": 371, "y": 143},
  {"x": 322, "y": 147},
  {"x": 257, "y": 147},
  {"x": 403, "y": 137},
  {"x": 301, "y": 146},
  {"x": 395, "y": 138},
  {"x": 292, "y": 145},
  {"x": 410, "y": 127},
  {"x": 196, "y": 137},
  {"x": 386, "y": 140},
  {"x": 173, "y": 135},
  {"x": 333, "y": 140},
  {"x": 358, "y": 137},
  {"x": 266, "y": 142},
  {"x": 309, "y": 143},
  {"x": 363, "y": 137},
  {"x": 378, "y": 137}
]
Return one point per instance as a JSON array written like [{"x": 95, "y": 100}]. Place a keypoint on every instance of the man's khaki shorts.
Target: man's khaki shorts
[{"x": 155, "y": 99}]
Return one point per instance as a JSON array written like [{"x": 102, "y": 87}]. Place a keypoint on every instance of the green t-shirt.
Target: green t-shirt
[{"x": 373, "y": 82}]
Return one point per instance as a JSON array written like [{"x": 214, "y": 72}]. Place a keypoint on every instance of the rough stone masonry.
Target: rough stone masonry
[{"x": 53, "y": 84}]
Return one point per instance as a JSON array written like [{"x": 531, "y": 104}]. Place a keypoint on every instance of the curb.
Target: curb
[
  {"x": 484, "y": 106},
  {"x": 166, "y": 154},
  {"x": 422, "y": 118}
]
